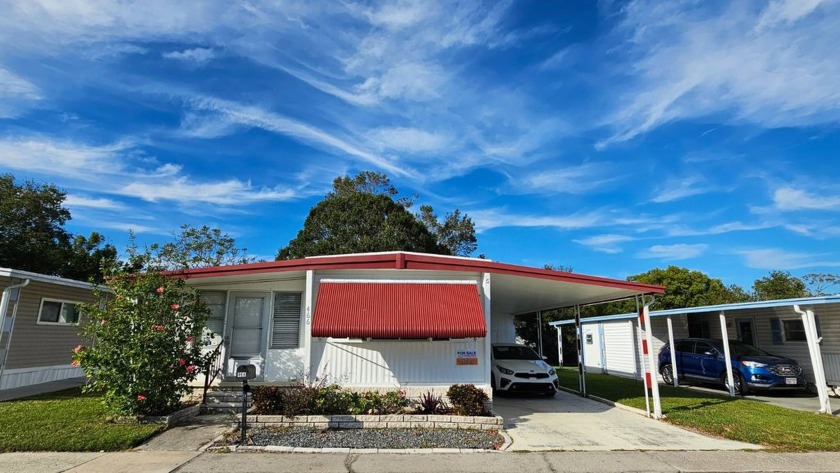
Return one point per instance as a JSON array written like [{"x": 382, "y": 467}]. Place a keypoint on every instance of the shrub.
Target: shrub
[
  {"x": 149, "y": 333},
  {"x": 268, "y": 399},
  {"x": 334, "y": 400},
  {"x": 372, "y": 402},
  {"x": 467, "y": 400},
  {"x": 300, "y": 400},
  {"x": 431, "y": 404}
]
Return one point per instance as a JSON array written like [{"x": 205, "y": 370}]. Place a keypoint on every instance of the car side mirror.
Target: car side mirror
[{"x": 544, "y": 357}]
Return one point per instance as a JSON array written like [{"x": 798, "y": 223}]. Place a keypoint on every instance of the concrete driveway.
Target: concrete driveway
[{"x": 570, "y": 422}]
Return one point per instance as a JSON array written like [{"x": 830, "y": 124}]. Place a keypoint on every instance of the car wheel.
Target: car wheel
[
  {"x": 667, "y": 374},
  {"x": 741, "y": 388}
]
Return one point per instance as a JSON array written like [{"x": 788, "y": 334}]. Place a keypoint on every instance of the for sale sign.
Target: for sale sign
[{"x": 466, "y": 357}]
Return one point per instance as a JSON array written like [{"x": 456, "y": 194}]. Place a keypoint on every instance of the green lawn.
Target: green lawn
[
  {"x": 67, "y": 421},
  {"x": 733, "y": 418}
]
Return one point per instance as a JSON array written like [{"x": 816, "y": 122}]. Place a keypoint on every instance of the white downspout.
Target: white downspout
[
  {"x": 816, "y": 357},
  {"x": 724, "y": 335},
  {"x": 4, "y": 307},
  {"x": 559, "y": 347}
]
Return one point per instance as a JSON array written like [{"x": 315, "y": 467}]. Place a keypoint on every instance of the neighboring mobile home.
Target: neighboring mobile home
[
  {"x": 610, "y": 344},
  {"x": 39, "y": 327},
  {"x": 382, "y": 320}
]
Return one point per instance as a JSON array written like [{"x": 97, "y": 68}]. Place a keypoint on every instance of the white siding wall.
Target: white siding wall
[
  {"x": 591, "y": 351},
  {"x": 620, "y": 344},
  {"x": 398, "y": 363},
  {"x": 503, "y": 329}
]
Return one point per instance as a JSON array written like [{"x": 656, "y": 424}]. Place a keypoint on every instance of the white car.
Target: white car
[{"x": 517, "y": 368}]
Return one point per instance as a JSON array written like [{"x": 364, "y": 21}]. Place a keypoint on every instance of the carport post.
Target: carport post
[
  {"x": 724, "y": 334},
  {"x": 579, "y": 333},
  {"x": 643, "y": 371},
  {"x": 559, "y": 346},
  {"x": 539, "y": 332},
  {"x": 673, "y": 357},
  {"x": 654, "y": 383},
  {"x": 816, "y": 357}
]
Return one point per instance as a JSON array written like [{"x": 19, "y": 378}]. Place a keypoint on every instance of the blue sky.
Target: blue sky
[{"x": 613, "y": 137}]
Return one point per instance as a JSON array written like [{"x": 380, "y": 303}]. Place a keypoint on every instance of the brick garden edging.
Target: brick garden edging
[{"x": 403, "y": 421}]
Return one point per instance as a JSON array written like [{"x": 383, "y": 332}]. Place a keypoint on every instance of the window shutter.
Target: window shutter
[
  {"x": 286, "y": 327},
  {"x": 776, "y": 332}
]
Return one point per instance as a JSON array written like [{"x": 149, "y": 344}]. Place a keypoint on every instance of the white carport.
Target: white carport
[{"x": 760, "y": 323}]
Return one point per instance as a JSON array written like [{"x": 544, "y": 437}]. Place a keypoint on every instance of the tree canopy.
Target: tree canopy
[
  {"x": 361, "y": 215},
  {"x": 33, "y": 238},
  {"x": 197, "y": 248},
  {"x": 779, "y": 285},
  {"x": 359, "y": 223},
  {"x": 687, "y": 288}
]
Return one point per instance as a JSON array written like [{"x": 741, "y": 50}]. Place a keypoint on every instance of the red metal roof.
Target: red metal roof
[
  {"x": 405, "y": 260},
  {"x": 390, "y": 310}
]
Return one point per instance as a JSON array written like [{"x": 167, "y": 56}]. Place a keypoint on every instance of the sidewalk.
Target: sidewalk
[{"x": 502, "y": 462}]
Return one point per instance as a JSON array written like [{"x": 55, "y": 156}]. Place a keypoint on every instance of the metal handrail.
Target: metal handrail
[{"x": 212, "y": 369}]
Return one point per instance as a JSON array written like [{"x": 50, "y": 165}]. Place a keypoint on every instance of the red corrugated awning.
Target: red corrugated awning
[{"x": 391, "y": 310}]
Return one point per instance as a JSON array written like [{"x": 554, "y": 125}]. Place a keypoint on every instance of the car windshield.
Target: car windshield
[
  {"x": 514, "y": 353},
  {"x": 742, "y": 349}
]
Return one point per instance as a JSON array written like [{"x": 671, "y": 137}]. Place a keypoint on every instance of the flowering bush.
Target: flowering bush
[{"x": 148, "y": 334}]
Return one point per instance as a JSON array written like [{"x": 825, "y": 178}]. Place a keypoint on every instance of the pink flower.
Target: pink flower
[
  {"x": 158, "y": 328},
  {"x": 77, "y": 349},
  {"x": 190, "y": 339},
  {"x": 102, "y": 322},
  {"x": 74, "y": 363},
  {"x": 159, "y": 290},
  {"x": 182, "y": 361},
  {"x": 175, "y": 306},
  {"x": 190, "y": 369},
  {"x": 141, "y": 397}
]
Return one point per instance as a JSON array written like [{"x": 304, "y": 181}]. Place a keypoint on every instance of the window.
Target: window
[
  {"x": 215, "y": 303},
  {"x": 285, "y": 331},
  {"x": 699, "y": 329},
  {"x": 794, "y": 330},
  {"x": 589, "y": 339},
  {"x": 58, "y": 312}
]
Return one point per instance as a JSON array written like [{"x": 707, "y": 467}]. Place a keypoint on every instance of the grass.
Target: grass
[
  {"x": 67, "y": 421},
  {"x": 739, "y": 419}
]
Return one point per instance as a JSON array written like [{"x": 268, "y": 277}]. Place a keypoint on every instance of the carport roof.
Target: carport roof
[
  {"x": 514, "y": 289},
  {"x": 802, "y": 301}
]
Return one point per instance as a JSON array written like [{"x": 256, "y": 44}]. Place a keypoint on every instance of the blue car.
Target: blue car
[{"x": 702, "y": 360}]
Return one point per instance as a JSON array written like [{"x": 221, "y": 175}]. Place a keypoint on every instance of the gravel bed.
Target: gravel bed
[{"x": 371, "y": 438}]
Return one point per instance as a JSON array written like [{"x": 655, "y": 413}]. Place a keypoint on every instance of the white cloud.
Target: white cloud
[
  {"x": 774, "y": 258},
  {"x": 674, "y": 252},
  {"x": 608, "y": 243},
  {"x": 789, "y": 199},
  {"x": 112, "y": 169},
  {"x": 413, "y": 140},
  {"x": 494, "y": 218},
  {"x": 260, "y": 118},
  {"x": 199, "y": 56},
  {"x": 580, "y": 179},
  {"x": 74, "y": 200},
  {"x": 16, "y": 94},
  {"x": 695, "y": 60},
  {"x": 677, "y": 189}
]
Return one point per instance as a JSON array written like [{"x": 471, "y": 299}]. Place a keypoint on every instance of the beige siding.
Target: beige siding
[{"x": 35, "y": 345}]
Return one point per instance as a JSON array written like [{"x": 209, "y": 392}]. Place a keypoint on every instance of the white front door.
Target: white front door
[{"x": 249, "y": 314}]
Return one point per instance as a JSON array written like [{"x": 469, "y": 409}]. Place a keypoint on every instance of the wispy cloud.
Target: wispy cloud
[
  {"x": 778, "y": 259},
  {"x": 685, "y": 55},
  {"x": 197, "y": 56},
  {"x": 579, "y": 179},
  {"x": 790, "y": 199},
  {"x": 114, "y": 169},
  {"x": 488, "y": 219},
  {"x": 16, "y": 93},
  {"x": 408, "y": 139},
  {"x": 677, "y": 189},
  {"x": 73, "y": 200},
  {"x": 678, "y": 251},
  {"x": 608, "y": 243}
]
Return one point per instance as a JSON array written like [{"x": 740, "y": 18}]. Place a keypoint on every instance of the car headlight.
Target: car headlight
[
  {"x": 504, "y": 370},
  {"x": 753, "y": 364}
]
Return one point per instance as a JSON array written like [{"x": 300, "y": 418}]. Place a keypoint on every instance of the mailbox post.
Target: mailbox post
[{"x": 245, "y": 372}]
